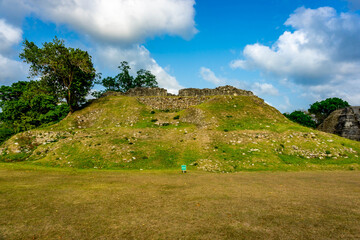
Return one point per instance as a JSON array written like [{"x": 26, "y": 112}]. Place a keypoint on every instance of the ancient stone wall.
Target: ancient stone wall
[
  {"x": 141, "y": 91},
  {"x": 160, "y": 99},
  {"x": 172, "y": 103},
  {"x": 225, "y": 90},
  {"x": 343, "y": 122},
  {"x": 187, "y": 92},
  {"x": 112, "y": 93}
]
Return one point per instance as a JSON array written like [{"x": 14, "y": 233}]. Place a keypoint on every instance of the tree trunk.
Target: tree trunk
[{"x": 69, "y": 101}]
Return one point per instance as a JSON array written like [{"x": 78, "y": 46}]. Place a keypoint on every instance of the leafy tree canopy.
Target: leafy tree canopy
[
  {"x": 68, "y": 72},
  {"x": 26, "y": 105},
  {"x": 322, "y": 109},
  {"x": 124, "y": 81},
  {"x": 301, "y": 118}
]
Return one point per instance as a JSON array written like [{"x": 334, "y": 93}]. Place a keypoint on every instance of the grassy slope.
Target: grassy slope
[
  {"x": 38, "y": 203},
  {"x": 223, "y": 134}
]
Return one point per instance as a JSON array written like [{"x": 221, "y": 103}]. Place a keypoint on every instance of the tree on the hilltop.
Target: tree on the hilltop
[
  {"x": 301, "y": 118},
  {"x": 26, "y": 105},
  {"x": 68, "y": 72},
  {"x": 124, "y": 81},
  {"x": 322, "y": 109},
  {"x": 145, "y": 78}
]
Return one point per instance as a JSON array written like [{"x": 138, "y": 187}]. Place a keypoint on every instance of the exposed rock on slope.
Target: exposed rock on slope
[
  {"x": 343, "y": 122},
  {"x": 224, "y": 133},
  {"x": 219, "y": 91}
]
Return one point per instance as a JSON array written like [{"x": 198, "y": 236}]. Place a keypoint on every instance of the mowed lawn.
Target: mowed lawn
[{"x": 61, "y": 204}]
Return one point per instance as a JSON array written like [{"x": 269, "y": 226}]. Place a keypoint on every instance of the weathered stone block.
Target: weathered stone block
[
  {"x": 343, "y": 122},
  {"x": 142, "y": 91},
  {"x": 224, "y": 90}
]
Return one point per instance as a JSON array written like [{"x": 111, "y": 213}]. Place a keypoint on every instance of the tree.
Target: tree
[
  {"x": 68, "y": 72},
  {"x": 301, "y": 118},
  {"x": 124, "y": 81},
  {"x": 145, "y": 78},
  {"x": 322, "y": 109},
  {"x": 5, "y": 132},
  {"x": 26, "y": 105}
]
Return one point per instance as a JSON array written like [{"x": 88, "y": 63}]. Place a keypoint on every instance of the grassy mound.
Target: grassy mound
[{"x": 223, "y": 134}]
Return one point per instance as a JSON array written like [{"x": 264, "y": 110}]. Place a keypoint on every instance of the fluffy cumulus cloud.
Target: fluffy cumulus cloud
[
  {"x": 117, "y": 28},
  {"x": 10, "y": 70},
  {"x": 116, "y": 21},
  {"x": 210, "y": 76},
  {"x": 260, "y": 89},
  {"x": 321, "y": 54},
  {"x": 138, "y": 57},
  {"x": 9, "y": 36}
]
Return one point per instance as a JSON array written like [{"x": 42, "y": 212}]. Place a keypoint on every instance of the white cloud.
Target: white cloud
[
  {"x": 138, "y": 57},
  {"x": 10, "y": 70},
  {"x": 120, "y": 21},
  {"x": 119, "y": 26},
  {"x": 264, "y": 89},
  {"x": 286, "y": 105},
  {"x": 323, "y": 50},
  {"x": 210, "y": 76},
  {"x": 259, "y": 89},
  {"x": 14, "y": 10},
  {"x": 9, "y": 36}
]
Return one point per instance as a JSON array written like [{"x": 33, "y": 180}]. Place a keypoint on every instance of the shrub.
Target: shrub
[{"x": 301, "y": 118}]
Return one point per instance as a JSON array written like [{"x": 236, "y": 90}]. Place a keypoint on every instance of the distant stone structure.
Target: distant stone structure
[
  {"x": 187, "y": 92},
  {"x": 139, "y": 92},
  {"x": 172, "y": 102},
  {"x": 142, "y": 92},
  {"x": 224, "y": 90},
  {"x": 343, "y": 122},
  {"x": 160, "y": 99}
]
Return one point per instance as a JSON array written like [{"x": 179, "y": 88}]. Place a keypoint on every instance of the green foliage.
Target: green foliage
[
  {"x": 5, "y": 132},
  {"x": 26, "y": 105},
  {"x": 124, "y": 81},
  {"x": 145, "y": 78},
  {"x": 55, "y": 115},
  {"x": 67, "y": 72},
  {"x": 301, "y": 118},
  {"x": 322, "y": 109}
]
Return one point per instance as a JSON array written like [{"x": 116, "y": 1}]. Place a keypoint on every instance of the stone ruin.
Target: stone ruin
[
  {"x": 160, "y": 99},
  {"x": 186, "y": 92},
  {"x": 143, "y": 92},
  {"x": 343, "y": 122},
  {"x": 224, "y": 90}
]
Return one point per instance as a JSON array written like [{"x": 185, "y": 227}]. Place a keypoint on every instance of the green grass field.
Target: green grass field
[
  {"x": 46, "y": 203},
  {"x": 81, "y": 178}
]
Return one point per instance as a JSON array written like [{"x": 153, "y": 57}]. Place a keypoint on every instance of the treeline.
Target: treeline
[
  {"x": 317, "y": 112},
  {"x": 64, "y": 79}
]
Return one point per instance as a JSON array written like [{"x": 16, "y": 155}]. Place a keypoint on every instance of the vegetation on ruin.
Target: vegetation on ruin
[{"x": 222, "y": 134}]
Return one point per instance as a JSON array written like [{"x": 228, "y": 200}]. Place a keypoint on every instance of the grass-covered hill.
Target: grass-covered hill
[{"x": 223, "y": 133}]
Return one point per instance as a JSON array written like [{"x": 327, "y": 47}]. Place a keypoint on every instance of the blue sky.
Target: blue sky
[{"x": 289, "y": 52}]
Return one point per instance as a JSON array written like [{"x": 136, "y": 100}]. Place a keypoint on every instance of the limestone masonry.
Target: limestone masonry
[
  {"x": 187, "y": 92},
  {"x": 160, "y": 99},
  {"x": 172, "y": 103},
  {"x": 225, "y": 90},
  {"x": 343, "y": 122}
]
